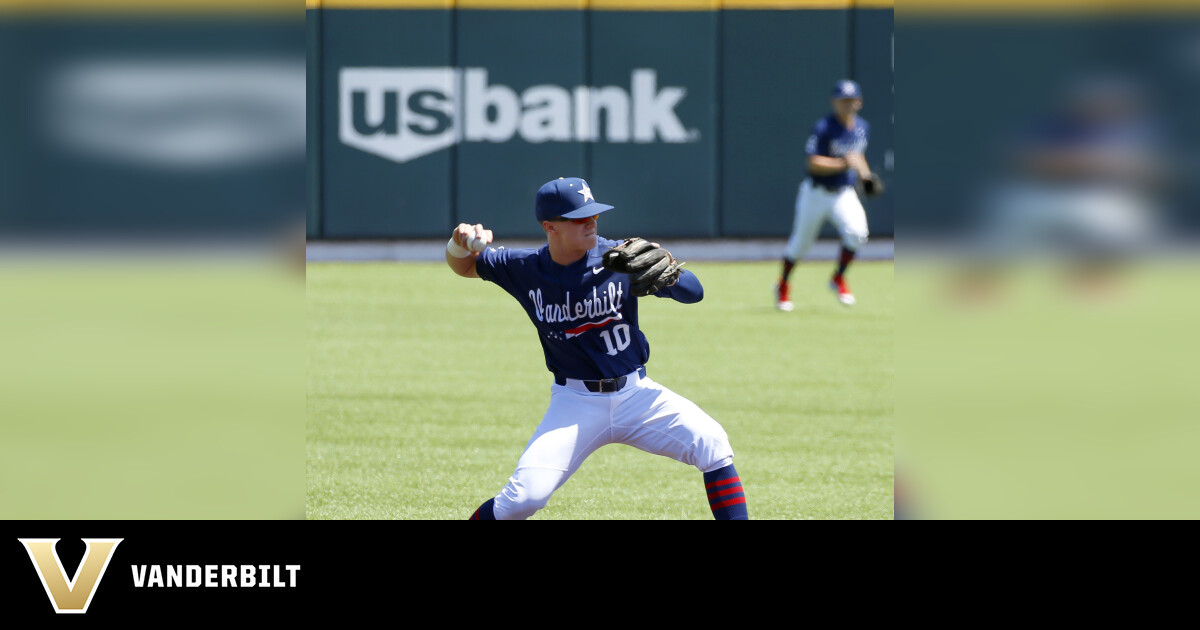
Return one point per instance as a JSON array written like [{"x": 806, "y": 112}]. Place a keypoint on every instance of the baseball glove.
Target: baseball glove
[
  {"x": 873, "y": 185},
  {"x": 650, "y": 267}
]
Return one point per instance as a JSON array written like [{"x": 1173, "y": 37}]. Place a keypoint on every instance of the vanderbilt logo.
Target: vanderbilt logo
[{"x": 73, "y": 595}]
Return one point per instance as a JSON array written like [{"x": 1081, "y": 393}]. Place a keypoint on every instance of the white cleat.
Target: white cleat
[
  {"x": 838, "y": 285},
  {"x": 782, "y": 301}
]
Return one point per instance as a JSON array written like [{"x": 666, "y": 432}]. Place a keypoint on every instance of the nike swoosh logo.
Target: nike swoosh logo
[{"x": 596, "y": 270}]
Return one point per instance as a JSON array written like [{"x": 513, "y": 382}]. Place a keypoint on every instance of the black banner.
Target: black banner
[{"x": 137, "y": 569}]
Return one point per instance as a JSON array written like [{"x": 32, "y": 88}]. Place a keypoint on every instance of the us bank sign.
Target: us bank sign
[{"x": 404, "y": 113}]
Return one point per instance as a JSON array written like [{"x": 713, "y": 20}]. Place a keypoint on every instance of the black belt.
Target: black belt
[
  {"x": 604, "y": 385},
  {"x": 830, "y": 188}
]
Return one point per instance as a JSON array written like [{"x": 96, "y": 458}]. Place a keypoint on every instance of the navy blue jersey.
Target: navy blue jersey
[
  {"x": 830, "y": 139},
  {"x": 585, "y": 316},
  {"x": 1127, "y": 141}
]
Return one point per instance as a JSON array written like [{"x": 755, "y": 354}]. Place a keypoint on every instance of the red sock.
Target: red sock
[{"x": 725, "y": 495}]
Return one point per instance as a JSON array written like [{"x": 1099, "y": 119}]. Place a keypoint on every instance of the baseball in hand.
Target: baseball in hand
[{"x": 475, "y": 243}]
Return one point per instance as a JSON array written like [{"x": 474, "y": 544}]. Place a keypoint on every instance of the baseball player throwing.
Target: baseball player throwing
[
  {"x": 581, "y": 293},
  {"x": 835, "y": 162}
]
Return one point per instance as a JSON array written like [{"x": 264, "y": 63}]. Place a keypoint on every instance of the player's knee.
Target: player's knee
[
  {"x": 527, "y": 492},
  {"x": 522, "y": 507},
  {"x": 855, "y": 240},
  {"x": 518, "y": 506},
  {"x": 712, "y": 450},
  {"x": 795, "y": 250}
]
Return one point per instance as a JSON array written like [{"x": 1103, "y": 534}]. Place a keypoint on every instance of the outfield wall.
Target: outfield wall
[{"x": 690, "y": 116}]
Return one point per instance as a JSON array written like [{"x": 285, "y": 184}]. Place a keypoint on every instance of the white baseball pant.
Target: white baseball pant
[
  {"x": 815, "y": 205},
  {"x": 643, "y": 414}
]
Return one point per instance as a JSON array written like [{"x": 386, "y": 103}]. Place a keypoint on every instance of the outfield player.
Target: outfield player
[
  {"x": 587, "y": 322},
  {"x": 1081, "y": 191},
  {"x": 835, "y": 162}
]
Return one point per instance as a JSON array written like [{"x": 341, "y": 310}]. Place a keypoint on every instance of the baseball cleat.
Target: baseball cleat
[
  {"x": 838, "y": 285},
  {"x": 782, "y": 301}
]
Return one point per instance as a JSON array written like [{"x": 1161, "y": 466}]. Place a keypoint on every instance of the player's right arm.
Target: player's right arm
[
  {"x": 819, "y": 161},
  {"x": 817, "y": 149},
  {"x": 465, "y": 266},
  {"x": 825, "y": 165}
]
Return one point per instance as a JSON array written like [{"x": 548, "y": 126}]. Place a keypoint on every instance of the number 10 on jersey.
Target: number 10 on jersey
[{"x": 621, "y": 333}]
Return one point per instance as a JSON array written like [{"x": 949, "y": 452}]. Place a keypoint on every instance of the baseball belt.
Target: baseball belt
[{"x": 604, "y": 385}]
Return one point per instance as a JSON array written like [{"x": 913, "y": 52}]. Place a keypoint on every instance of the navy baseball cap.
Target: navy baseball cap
[
  {"x": 569, "y": 198},
  {"x": 846, "y": 89}
]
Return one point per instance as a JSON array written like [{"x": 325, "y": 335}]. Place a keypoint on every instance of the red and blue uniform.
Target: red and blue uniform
[
  {"x": 586, "y": 320},
  {"x": 585, "y": 316}
]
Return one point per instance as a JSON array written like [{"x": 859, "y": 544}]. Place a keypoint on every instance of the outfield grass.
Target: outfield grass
[
  {"x": 151, "y": 387},
  {"x": 1039, "y": 397},
  {"x": 424, "y": 387}
]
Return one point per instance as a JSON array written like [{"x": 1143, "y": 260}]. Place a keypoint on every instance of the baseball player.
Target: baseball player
[
  {"x": 1082, "y": 190},
  {"x": 835, "y": 163},
  {"x": 585, "y": 311}
]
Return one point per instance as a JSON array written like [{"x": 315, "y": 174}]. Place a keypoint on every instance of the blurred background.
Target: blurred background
[
  {"x": 1047, "y": 273},
  {"x": 151, "y": 267}
]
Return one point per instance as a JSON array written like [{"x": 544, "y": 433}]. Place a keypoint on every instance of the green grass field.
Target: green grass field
[
  {"x": 151, "y": 387},
  {"x": 424, "y": 387},
  {"x": 1044, "y": 398}
]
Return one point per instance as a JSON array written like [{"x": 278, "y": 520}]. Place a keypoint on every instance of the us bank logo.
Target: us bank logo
[
  {"x": 70, "y": 595},
  {"x": 404, "y": 113}
]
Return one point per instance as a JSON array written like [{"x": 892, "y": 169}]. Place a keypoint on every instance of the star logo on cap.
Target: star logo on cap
[{"x": 586, "y": 192}]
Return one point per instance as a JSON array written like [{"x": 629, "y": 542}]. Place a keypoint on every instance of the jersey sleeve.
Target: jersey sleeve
[
  {"x": 687, "y": 290},
  {"x": 493, "y": 265},
  {"x": 818, "y": 141}
]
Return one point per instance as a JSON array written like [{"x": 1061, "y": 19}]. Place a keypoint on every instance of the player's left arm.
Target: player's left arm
[
  {"x": 857, "y": 159},
  {"x": 687, "y": 289}
]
